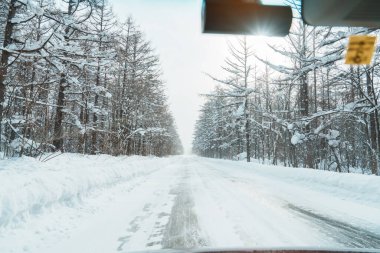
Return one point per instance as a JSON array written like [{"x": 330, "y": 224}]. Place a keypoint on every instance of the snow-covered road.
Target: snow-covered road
[{"x": 192, "y": 202}]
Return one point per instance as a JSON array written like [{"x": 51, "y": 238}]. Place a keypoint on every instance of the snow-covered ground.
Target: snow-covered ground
[{"x": 76, "y": 203}]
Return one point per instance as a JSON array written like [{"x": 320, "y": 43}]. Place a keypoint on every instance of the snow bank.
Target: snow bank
[
  {"x": 352, "y": 199},
  {"x": 29, "y": 186},
  {"x": 357, "y": 187},
  {"x": 363, "y": 188}
]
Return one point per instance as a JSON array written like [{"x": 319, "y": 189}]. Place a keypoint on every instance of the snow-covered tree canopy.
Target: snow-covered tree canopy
[
  {"x": 309, "y": 109},
  {"x": 74, "y": 79}
]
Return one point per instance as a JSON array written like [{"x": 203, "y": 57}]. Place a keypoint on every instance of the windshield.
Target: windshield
[{"x": 125, "y": 128}]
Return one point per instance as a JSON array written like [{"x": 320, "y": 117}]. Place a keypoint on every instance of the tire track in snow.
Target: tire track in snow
[
  {"x": 257, "y": 220},
  {"x": 147, "y": 228},
  {"x": 182, "y": 230},
  {"x": 217, "y": 202},
  {"x": 159, "y": 223},
  {"x": 134, "y": 226},
  {"x": 344, "y": 233}
]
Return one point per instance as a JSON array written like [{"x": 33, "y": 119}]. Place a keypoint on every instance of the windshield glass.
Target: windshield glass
[{"x": 125, "y": 128}]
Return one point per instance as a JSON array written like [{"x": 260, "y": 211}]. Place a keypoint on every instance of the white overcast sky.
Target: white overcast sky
[{"x": 174, "y": 29}]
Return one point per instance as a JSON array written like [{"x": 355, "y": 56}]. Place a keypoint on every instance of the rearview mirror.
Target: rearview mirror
[
  {"x": 245, "y": 17},
  {"x": 364, "y": 13}
]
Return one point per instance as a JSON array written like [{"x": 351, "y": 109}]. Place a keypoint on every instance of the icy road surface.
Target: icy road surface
[{"x": 192, "y": 202}]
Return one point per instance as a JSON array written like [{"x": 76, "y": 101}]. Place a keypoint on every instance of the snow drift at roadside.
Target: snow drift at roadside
[{"x": 29, "y": 186}]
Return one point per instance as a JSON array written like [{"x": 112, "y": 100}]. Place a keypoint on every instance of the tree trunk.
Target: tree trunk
[
  {"x": 304, "y": 103},
  {"x": 247, "y": 130},
  {"x": 58, "y": 128},
  {"x": 372, "y": 126},
  {"x": 4, "y": 60}
]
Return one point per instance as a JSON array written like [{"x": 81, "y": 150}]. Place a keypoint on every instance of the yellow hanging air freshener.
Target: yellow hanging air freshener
[{"x": 360, "y": 49}]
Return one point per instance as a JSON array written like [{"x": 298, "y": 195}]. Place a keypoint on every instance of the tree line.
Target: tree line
[
  {"x": 74, "y": 79},
  {"x": 309, "y": 110}
]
